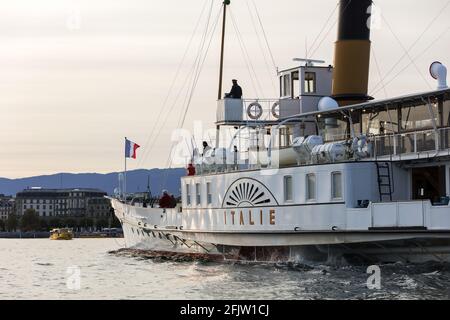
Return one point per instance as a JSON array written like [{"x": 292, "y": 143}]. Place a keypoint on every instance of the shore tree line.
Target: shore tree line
[{"x": 32, "y": 222}]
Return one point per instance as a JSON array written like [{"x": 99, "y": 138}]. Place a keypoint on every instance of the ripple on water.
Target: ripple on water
[{"x": 120, "y": 275}]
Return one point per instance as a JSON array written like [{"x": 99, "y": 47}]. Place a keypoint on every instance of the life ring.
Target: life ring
[
  {"x": 254, "y": 111},
  {"x": 275, "y": 112}
]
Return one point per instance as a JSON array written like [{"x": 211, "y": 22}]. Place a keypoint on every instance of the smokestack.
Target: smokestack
[{"x": 352, "y": 53}]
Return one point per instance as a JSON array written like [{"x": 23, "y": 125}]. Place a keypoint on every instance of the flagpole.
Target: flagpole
[{"x": 125, "y": 175}]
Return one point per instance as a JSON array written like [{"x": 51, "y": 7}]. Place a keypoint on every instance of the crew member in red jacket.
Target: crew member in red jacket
[
  {"x": 191, "y": 170},
  {"x": 165, "y": 201}
]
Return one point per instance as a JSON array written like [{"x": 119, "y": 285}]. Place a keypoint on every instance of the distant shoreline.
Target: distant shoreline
[{"x": 46, "y": 235}]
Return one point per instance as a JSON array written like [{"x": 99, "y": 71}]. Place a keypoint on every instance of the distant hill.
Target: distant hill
[{"x": 136, "y": 181}]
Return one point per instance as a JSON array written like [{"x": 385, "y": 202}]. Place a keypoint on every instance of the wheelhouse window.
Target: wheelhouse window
[
  {"x": 198, "y": 194},
  {"x": 295, "y": 85},
  {"x": 336, "y": 185},
  {"x": 310, "y": 82},
  {"x": 311, "y": 187},
  {"x": 288, "y": 192},
  {"x": 188, "y": 195},
  {"x": 208, "y": 193},
  {"x": 286, "y": 88}
]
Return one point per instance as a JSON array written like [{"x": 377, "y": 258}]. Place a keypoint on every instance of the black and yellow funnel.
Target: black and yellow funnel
[{"x": 352, "y": 53}]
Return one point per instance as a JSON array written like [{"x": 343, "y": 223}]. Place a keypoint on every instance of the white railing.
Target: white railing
[
  {"x": 248, "y": 110},
  {"x": 428, "y": 142}
]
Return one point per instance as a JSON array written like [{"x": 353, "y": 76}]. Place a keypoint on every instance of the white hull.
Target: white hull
[{"x": 146, "y": 229}]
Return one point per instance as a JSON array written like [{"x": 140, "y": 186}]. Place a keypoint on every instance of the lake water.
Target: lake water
[{"x": 83, "y": 269}]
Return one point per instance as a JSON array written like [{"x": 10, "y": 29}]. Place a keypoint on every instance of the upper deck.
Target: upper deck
[{"x": 409, "y": 127}]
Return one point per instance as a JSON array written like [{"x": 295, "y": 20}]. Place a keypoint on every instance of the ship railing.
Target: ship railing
[
  {"x": 425, "y": 143},
  {"x": 248, "y": 111},
  {"x": 404, "y": 146}
]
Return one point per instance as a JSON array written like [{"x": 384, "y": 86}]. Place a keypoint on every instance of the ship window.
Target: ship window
[
  {"x": 335, "y": 129},
  {"x": 336, "y": 185},
  {"x": 446, "y": 114},
  {"x": 418, "y": 117},
  {"x": 197, "y": 193},
  {"x": 285, "y": 137},
  {"x": 311, "y": 187},
  {"x": 310, "y": 82},
  {"x": 188, "y": 195},
  {"x": 295, "y": 85},
  {"x": 380, "y": 123},
  {"x": 209, "y": 192},
  {"x": 288, "y": 195},
  {"x": 286, "y": 85}
]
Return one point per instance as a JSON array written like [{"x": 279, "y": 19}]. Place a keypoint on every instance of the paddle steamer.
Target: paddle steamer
[{"x": 322, "y": 172}]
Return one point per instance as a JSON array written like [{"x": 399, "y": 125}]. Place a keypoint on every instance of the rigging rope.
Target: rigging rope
[
  {"x": 406, "y": 54},
  {"x": 379, "y": 70},
  {"x": 322, "y": 30},
  {"x": 430, "y": 24},
  {"x": 246, "y": 56},
  {"x": 269, "y": 73},
  {"x": 330, "y": 29},
  {"x": 415, "y": 58},
  {"x": 265, "y": 35},
  {"x": 190, "y": 94},
  {"x": 185, "y": 83},
  {"x": 199, "y": 71},
  {"x": 177, "y": 73}
]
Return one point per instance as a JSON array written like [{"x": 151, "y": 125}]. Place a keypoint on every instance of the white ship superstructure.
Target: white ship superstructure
[{"x": 322, "y": 171}]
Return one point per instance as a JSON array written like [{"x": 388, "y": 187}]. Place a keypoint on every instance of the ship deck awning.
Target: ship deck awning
[{"x": 379, "y": 104}]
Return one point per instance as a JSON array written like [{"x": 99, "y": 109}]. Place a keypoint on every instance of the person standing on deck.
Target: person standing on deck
[
  {"x": 206, "y": 148},
  {"x": 191, "y": 169},
  {"x": 236, "y": 91},
  {"x": 165, "y": 201},
  {"x": 235, "y": 160}
]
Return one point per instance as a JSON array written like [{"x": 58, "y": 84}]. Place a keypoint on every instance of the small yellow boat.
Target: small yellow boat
[{"x": 61, "y": 234}]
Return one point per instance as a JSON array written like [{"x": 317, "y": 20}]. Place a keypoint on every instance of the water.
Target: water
[{"x": 44, "y": 269}]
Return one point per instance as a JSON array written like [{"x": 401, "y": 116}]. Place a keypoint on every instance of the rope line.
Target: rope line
[
  {"x": 189, "y": 96},
  {"x": 261, "y": 46},
  {"x": 255, "y": 82},
  {"x": 185, "y": 84},
  {"x": 394, "y": 66},
  {"x": 379, "y": 71},
  {"x": 417, "y": 57},
  {"x": 323, "y": 28},
  {"x": 265, "y": 35},
  {"x": 169, "y": 93},
  {"x": 329, "y": 30}
]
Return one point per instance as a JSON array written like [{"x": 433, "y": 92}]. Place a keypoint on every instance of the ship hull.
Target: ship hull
[{"x": 333, "y": 247}]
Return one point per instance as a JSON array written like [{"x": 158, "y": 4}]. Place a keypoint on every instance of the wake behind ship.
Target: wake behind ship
[{"x": 324, "y": 172}]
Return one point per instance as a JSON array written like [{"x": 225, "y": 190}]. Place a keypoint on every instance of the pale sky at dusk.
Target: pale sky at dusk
[{"x": 78, "y": 76}]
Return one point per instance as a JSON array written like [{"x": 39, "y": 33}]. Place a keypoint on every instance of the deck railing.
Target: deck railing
[
  {"x": 419, "y": 144},
  {"x": 247, "y": 110},
  {"x": 426, "y": 142}
]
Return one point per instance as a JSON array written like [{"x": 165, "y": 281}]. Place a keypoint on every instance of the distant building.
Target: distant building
[
  {"x": 64, "y": 202},
  {"x": 6, "y": 207}
]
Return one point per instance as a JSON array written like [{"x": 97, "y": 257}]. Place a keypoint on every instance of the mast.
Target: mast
[{"x": 222, "y": 50}]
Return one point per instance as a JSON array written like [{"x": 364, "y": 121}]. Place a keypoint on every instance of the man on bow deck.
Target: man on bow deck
[
  {"x": 236, "y": 91},
  {"x": 165, "y": 201}
]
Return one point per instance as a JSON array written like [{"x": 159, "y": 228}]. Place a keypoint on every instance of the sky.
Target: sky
[{"x": 77, "y": 76}]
